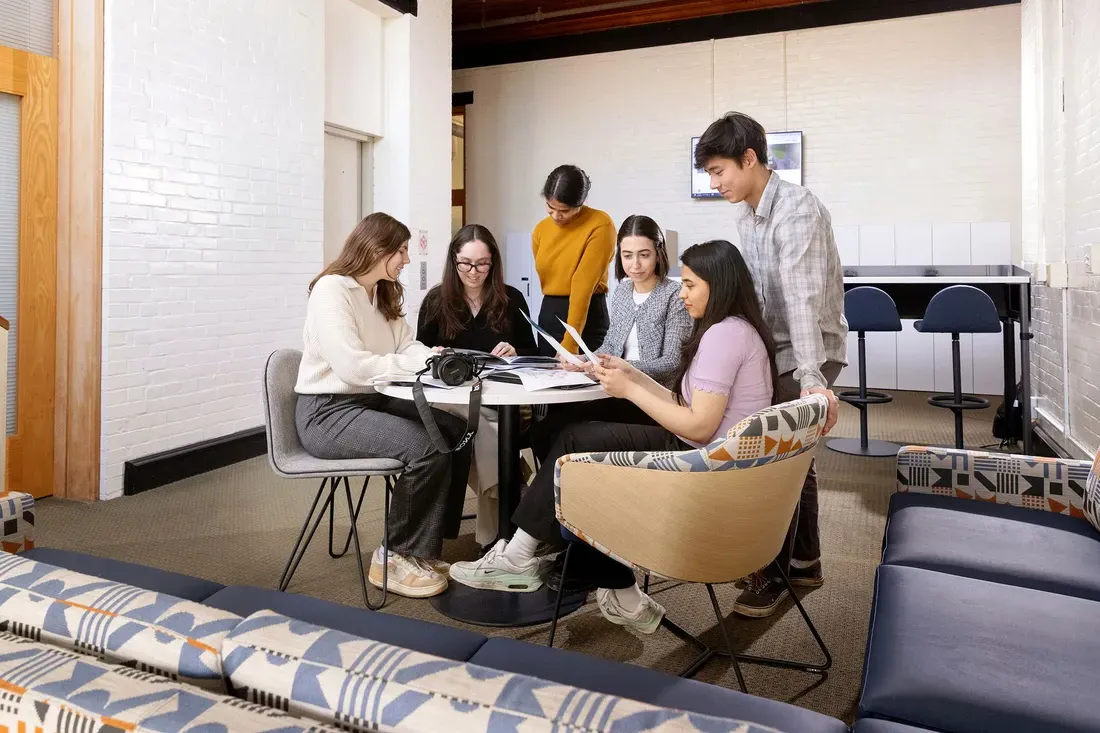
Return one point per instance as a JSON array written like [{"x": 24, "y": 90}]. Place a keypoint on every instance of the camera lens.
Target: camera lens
[{"x": 453, "y": 370}]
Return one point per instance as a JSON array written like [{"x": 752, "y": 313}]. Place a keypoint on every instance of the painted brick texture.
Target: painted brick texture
[
  {"x": 1061, "y": 201},
  {"x": 893, "y": 134},
  {"x": 213, "y": 212}
]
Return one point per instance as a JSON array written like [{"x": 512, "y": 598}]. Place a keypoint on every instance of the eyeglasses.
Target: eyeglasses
[{"x": 467, "y": 266}]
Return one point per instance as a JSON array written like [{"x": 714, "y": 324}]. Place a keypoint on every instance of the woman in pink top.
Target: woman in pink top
[{"x": 726, "y": 372}]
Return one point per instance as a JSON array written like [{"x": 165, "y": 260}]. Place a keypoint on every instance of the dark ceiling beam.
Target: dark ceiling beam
[
  {"x": 402, "y": 6},
  {"x": 730, "y": 25},
  {"x": 605, "y": 17}
]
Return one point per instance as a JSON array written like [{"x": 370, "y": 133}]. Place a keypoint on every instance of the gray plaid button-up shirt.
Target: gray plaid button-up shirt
[{"x": 789, "y": 246}]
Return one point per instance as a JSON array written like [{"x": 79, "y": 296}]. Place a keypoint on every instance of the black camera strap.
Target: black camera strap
[{"x": 473, "y": 417}]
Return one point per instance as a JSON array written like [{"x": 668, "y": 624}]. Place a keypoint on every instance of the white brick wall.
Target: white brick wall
[
  {"x": 892, "y": 132},
  {"x": 1061, "y": 203},
  {"x": 213, "y": 212}
]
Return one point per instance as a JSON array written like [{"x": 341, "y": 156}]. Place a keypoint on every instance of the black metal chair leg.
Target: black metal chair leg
[
  {"x": 786, "y": 663},
  {"x": 300, "y": 547},
  {"x": 726, "y": 637},
  {"x": 561, "y": 592},
  {"x": 359, "y": 552},
  {"x": 354, "y": 517}
]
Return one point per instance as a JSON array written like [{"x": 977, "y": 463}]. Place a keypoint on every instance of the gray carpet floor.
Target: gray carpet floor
[{"x": 237, "y": 526}]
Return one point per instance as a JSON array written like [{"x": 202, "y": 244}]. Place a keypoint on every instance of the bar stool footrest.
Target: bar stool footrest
[
  {"x": 852, "y": 397},
  {"x": 967, "y": 402}
]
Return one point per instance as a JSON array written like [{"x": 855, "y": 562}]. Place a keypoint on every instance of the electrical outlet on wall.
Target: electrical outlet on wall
[{"x": 1058, "y": 275}]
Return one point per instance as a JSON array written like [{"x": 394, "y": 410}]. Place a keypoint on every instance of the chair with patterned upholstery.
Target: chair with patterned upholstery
[
  {"x": 724, "y": 511},
  {"x": 290, "y": 460}
]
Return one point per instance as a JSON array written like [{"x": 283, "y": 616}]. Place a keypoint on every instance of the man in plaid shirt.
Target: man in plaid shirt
[{"x": 787, "y": 240}]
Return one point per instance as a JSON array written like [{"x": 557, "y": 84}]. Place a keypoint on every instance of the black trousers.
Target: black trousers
[
  {"x": 804, "y": 536},
  {"x": 557, "y": 306},
  {"x": 535, "y": 514},
  {"x": 543, "y": 434}
]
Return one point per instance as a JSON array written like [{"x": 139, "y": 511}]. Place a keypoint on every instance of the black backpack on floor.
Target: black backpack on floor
[{"x": 1008, "y": 423}]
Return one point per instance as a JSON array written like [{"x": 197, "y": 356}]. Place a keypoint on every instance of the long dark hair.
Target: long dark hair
[
  {"x": 446, "y": 302},
  {"x": 376, "y": 237},
  {"x": 637, "y": 225},
  {"x": 732, "y": 293}
]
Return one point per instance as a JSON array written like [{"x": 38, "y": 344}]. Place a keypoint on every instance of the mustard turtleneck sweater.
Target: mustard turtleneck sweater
[{"x": 572, "y": 261}]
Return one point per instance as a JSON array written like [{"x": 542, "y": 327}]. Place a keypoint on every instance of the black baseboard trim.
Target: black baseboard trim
[
  {"x": 1045, "y": 446},
  {"x": 160, "y": 469},
  {"x": 402, "y": 6},
  {"x": 730, "y": 25}
]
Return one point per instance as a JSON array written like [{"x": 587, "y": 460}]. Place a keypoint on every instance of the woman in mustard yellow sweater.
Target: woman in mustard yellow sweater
[{"x": 573, "y": 247}]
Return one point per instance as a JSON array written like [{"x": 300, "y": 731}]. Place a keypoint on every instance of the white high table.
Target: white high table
[
  {"x": 493, "y": 608},
  {"x": 912, "y": 287}
]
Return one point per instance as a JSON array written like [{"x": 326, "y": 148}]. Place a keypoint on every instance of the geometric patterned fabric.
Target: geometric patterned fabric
[
  {"x": 1045, "y": 484},
  {"x": 1092, "y": 493},
  {"x": 16, "y": 520},
  {"x": 117, "y": 623},
  {"x": 44, "y": 688},
  {"x": 773, "y": 434},
  {"x": 363, "y": 685}
]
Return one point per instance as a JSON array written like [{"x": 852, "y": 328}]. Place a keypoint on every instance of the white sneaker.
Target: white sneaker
[
  {"x": 407, "y": 576},
  {"x": 645, "y": 618},
  {"x": 494, "y": 571}
]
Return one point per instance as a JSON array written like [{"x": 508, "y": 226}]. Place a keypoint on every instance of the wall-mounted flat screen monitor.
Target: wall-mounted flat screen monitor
[{"x": 784, "y": 157}]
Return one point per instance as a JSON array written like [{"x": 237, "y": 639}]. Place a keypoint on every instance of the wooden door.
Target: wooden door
[{"x": 30, "y": 82}]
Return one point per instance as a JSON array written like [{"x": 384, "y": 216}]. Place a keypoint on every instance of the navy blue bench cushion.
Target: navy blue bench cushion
[
  {"x": 997, "y": 542},
  {"x": 649, "y": 686},
  {"x": 140, "y": 576},
  {"x": 958, "y": 654},
  {"x": 421, "y": 636},
  {"x": 871, "y": 725}
]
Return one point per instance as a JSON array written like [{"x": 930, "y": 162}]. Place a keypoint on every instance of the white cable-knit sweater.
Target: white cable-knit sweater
[{"x": 347, "y": 341}]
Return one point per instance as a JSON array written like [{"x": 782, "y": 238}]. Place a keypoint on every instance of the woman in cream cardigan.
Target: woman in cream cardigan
[
  {"x": 649, "y": 325},
  {"x": 355, "y": 332}
]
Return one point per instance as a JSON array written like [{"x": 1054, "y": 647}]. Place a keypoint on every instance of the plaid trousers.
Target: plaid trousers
[{"x": 429, "y": 494}]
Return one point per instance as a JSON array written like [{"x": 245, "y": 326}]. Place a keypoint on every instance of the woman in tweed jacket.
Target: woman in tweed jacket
[{"x": 649, "y": 324}]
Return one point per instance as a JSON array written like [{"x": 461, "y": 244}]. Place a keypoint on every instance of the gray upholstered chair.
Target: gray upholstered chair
[{"x": 289, "y": 459}]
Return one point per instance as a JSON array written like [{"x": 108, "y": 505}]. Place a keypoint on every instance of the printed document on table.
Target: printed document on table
[
  {"x": 580, "y": 342},
  {"x": 536, "y": 379},
  {"x": 571, "y": 358}
]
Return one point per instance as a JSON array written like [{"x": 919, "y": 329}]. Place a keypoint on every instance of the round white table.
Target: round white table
[{"x": 494, "y": 608}]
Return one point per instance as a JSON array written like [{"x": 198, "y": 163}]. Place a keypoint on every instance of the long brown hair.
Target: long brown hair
[
  {"x": 372, "y": 240},
  {"x": 732, "y": 293},
  {"x": 446, "y": 302}
]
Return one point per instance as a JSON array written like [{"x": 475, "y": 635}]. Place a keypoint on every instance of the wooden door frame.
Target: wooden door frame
[
  {"x": 33, "y": 78},
  {"x": 77, "y": 417}
]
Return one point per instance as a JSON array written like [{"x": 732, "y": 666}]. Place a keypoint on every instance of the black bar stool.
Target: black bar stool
[
  {"x": 866, "y": 309},
  {"x": 954, "y": 310}
]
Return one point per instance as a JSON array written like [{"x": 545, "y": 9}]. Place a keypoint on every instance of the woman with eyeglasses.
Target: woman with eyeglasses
[{"x": 472, "y": 308}]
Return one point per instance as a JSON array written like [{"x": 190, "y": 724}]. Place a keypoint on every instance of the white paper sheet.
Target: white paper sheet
[
  {"x": 569, "y": 357},
  {"x": 580, "y": 342},
  {"x": 536, "y": 379}
]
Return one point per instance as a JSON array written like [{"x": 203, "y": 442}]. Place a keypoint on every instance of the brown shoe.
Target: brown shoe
[{"x": 761, "y": 598}]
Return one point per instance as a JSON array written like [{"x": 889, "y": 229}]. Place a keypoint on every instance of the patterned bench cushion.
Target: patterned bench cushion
[
  {"x": 115, "y": 622},
  {"x": 16, "y": 520},
  {"x": 44, "y": 688},
  {"x": 363, "y": 685}
]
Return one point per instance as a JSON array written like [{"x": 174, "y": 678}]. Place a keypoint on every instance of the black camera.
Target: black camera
[{"x": 454, "y": 368}]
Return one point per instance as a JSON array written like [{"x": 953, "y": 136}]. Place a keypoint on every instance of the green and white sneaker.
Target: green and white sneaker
[
  {"x": 646, "y": 618},
  {"x": 493, "y": 571}
]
